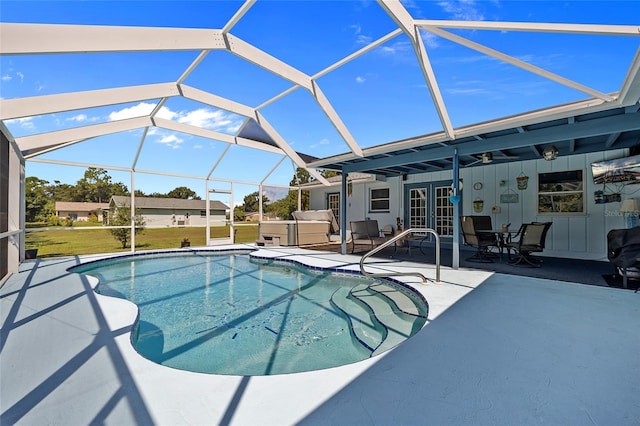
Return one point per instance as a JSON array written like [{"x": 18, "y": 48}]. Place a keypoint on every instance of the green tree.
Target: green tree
[
  {"x": 62, "y": 191},
  {"x": 184, "y": 193},
  {"x": 94, "y": 186},
  {"x": 251, "y": 204},
  {"x": 121, "y": 216},
  {"x": 36, "y": 199},
  {"x": 238, "y": 214}
]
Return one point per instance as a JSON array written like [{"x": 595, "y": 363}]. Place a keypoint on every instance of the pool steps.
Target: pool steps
[{"x": 378, "y": 304}]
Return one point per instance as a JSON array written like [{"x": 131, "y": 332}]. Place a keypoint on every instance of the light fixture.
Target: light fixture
[
  {"x": 631, "y": 208},
  {"x": 550, "y": 152},
  {"x": 487, "y": 157}
]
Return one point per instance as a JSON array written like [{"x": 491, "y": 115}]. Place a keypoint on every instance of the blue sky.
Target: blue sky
[{"x": 381, "y": 96}]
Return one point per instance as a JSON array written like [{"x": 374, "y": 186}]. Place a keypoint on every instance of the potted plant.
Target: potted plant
[{"x": 185, "y": 243}]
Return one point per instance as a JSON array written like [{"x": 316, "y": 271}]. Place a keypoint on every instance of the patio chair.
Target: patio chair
[
  {"x": 366, "y": 232},
  {"x": 530, "y": 239},
  {"x": 482, "y": 241}
]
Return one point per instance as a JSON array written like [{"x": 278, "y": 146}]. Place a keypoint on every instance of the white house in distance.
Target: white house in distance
[
  {"x": 166, "y": 212},
  {"x": 80, "y": 211}
]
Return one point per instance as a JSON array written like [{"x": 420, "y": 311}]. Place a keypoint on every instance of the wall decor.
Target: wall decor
[
  {"x": 522, "y": 180},
  {"x": 478, "y": 205},
  {"x": 509, "y": 196},
  {"x": 496, "y": 209},
  {"x": 477, "y": 186}
]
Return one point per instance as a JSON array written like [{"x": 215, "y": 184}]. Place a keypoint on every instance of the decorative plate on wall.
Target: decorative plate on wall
[{"x": 477, "y": 186}]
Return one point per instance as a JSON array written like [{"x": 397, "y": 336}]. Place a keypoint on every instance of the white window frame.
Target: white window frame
[
  {"x": 582, "y": 191},
  {"x": 379, "y": 199}
]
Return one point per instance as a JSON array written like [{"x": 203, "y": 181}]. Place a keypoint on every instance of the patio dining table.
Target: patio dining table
[{"x": 503, "y": 236}]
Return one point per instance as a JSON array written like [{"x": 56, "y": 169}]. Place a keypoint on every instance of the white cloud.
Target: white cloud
[
  {"x": 171, "y": 140},
  {"x": 205, "y": 118},
  {"x": 81, "y": 118},
  {"x": 360, "y": 79},
  {"x": 210, "y": 119},
  {"x": 139, "y": 110},
  {"x": 6, "y": 77},
  {"x": 363, "y": 39},
  {"x": 24, "y": 122},
  {"x": 323, "y": 141},
  {"x": 462, "y": 9}
]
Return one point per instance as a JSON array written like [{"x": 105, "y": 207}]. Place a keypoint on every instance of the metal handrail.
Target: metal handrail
[{"x": 393, "y": 240}]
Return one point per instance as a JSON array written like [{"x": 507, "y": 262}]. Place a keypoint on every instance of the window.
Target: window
[
  {"x": 561, "y": 192},
  {"x": 333, "y": 203},
  {"x": 379, "y": 200}
]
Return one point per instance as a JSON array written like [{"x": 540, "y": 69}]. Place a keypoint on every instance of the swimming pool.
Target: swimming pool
[{"x": 240, "y": 315}]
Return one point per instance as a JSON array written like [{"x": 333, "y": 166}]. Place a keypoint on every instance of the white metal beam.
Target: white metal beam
[
  {"x": 213, "y": 135},
  {"x": 335, "y": 119},
  {"x": 238, "y": 15},
  {"x": 614, "y": 30},
  {"x": 193, "y": 130},
  {"x": 216, "y": 101},
  {"x": 266, "y": 126},
  {"x": 520, "y": 64},
  {"x": 249, "y": 143},
  {"x": 630, "y": 91},
  {"x": 48, "y": 104},
  {"x": 224, "y": 152},
  {"x": 404, "y": 20},
  {"x": 264, "y": 60},
  {"x": 273, "y": 169},
  {"x": 43, "y": 140},
  {"x": 50, "y": 38}
]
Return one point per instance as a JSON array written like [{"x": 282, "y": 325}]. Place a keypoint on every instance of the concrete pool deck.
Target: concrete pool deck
[{"x": 497, "y": 349}]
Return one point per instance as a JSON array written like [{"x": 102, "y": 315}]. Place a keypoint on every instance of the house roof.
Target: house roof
[
  {"x": 80, "y": 206},
  {"x": 168, "y": 203},
  {"x": 336, "y": 180}
]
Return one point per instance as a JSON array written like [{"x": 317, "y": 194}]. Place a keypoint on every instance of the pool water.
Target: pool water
[{"x": 230, "y": 314}]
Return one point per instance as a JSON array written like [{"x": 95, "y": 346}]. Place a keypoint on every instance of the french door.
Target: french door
[{"x": 427, "y": 205}]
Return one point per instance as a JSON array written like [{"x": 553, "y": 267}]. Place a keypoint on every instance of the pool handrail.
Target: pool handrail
[{"x": 392, "y": 241}]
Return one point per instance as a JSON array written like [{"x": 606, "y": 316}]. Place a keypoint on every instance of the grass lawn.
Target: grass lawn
[{"x": 77, "y": 241}]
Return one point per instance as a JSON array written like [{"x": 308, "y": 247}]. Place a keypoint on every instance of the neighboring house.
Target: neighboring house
[
  {"x": 162, "y": 212},
  {"x": 80, "y": 212},
  {"x": 423, "y": 200}
]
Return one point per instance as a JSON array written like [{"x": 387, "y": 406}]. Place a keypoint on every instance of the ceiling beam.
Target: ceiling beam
[
  {"x": 293, "y": 155},
  {"x": 50, "y": 139},
  {"x": 404, "y": 20},
  {"x": 262, "y": 59},
  {"x": 49, "y": 104},
  {"x": 520, "y": 64},
  {"x": 335, "y": 119},
  {"x": 216, "y": 101},
  {"x": 612, "y": 30},
  {"x": 51, "y": 38}
]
